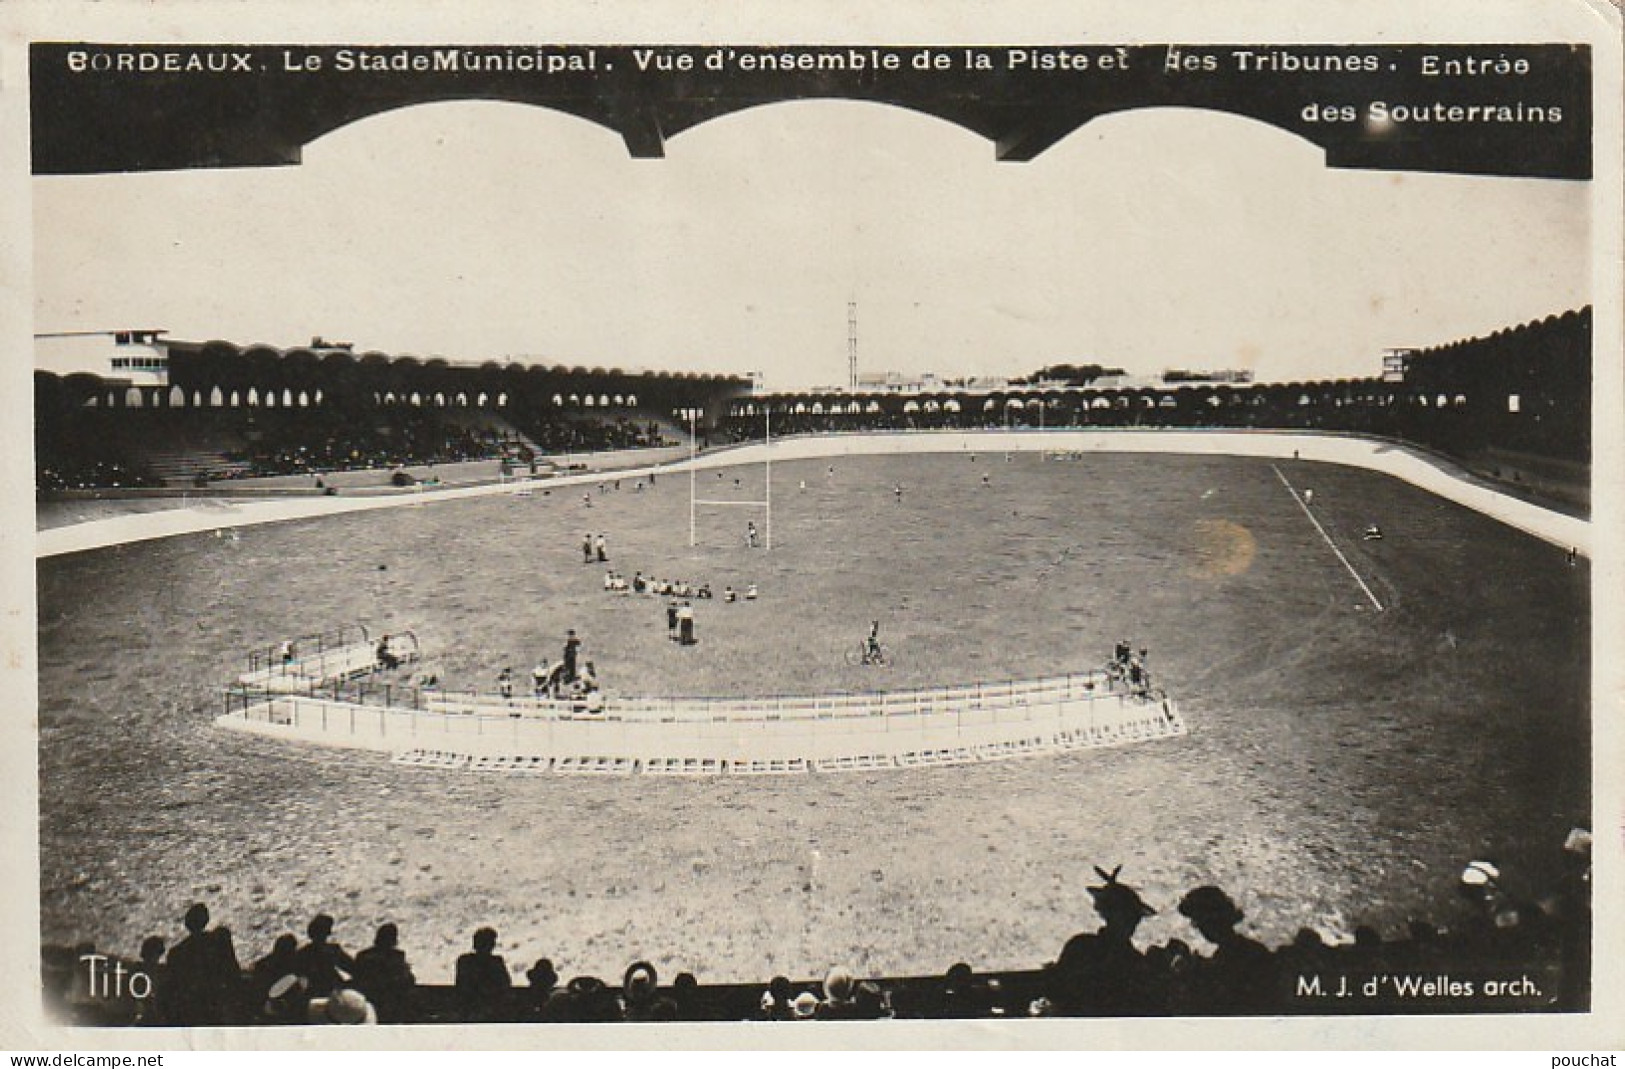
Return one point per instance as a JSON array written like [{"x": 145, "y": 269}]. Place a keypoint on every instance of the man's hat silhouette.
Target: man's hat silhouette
[
  {"x": 1209, "y": 903},
  {"x": 1118, "y": 899}
]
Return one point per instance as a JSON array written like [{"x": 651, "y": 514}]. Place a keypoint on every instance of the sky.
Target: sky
[{"x": 1147, "y": 240}]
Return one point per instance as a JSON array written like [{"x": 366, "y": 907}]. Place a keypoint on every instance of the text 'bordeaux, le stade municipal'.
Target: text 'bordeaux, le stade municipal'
[{"x": 562, "y": 60}]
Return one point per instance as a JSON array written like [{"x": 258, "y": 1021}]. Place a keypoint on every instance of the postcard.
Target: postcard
[{"x": 1055, "y": 526}]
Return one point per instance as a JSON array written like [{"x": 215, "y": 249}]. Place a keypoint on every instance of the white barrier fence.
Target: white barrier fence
[{"x": 708, "y": 736}]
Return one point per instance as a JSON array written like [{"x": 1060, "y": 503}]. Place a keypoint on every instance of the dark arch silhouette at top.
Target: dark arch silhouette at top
[{"x": 108, "y": 107}]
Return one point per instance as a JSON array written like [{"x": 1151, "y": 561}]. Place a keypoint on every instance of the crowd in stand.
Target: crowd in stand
[
  {"x": 328, "y": 443},
  {"x": 315, "y": 441},
  {"x": 70, "y": 473},
  {"x": 583, "y": 435},
  {"x": 1542, "y": 940}
]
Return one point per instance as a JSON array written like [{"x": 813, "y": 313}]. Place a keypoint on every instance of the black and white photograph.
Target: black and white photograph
[{"x": 848, "y": 521}]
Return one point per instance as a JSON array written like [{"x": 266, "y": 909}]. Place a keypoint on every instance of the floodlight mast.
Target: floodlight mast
[
  {"x": 767, "y": 450},
  {"x": 852, "y": 346},
  {"x": 693, "y": 455}
]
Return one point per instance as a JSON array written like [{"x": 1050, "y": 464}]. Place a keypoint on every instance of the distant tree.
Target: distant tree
[{"x": 1070, "y": 374}]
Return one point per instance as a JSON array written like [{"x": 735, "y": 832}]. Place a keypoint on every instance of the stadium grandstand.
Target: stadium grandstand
[
  {"x": 1514, "y": 406},
  {"x": 181, "y": 413}
]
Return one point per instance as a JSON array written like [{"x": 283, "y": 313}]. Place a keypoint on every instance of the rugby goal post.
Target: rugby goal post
[{"x": 695, "y": 501}]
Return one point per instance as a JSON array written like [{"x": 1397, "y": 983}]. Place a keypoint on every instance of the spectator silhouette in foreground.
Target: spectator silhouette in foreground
[
  {"x": 264, "y": 976},
  {"x": 204, "y": 975},
  {"x": 640, "y": 992},
  {"x": 285, "y": 1002},
  {"x": 154, "y": 1009},
  {"x": 688, "y": 999},
  {"x": 1240, "y": 976},
  {"x": 840, "y": 996},
  {"x": 1102, "y": 972},
  {"x": 544, "y": 983},
  {"x": 775, "y": 1004},
  {"x": 344, "y": 1006},
  {"x": 383, "y": 975},
  {"x": 483, "y": 984},
  {"x": 1307, "y": 953},
  {"x": 282, "y": 960},
  {"x": 869, "y": 1002},
  {"x": 324, "y": 965},
  {"x": 584, "y": 1000},
  {"x": 962, "y": 994}
]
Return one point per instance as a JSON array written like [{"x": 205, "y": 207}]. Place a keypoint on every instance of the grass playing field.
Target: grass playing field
[{"x": 1342, "y": 763}]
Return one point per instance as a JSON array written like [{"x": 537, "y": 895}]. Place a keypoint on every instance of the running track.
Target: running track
[{"x": 1418, "y": 469}]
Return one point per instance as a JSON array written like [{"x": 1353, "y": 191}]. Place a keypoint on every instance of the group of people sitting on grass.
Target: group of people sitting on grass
[
  {"x": 616, "y": 583},
  {"x": 1541, "y": 936}
]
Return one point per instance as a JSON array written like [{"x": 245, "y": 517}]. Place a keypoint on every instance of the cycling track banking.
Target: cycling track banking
[{"x": 1402, "y": 462}]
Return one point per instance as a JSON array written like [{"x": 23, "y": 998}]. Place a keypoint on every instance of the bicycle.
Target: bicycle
[{"x": 868, "y": 654}]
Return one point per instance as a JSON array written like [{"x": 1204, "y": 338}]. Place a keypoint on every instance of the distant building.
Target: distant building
[
  {"x": 1395, "y": 362},
  {"x": 128, "y": 357},
  {"x": 319, "y": 344},
  {"x": 1180, "y": 376},
  {"x": 896, "y": 382},
  {"x": 1173, "y": 377}
]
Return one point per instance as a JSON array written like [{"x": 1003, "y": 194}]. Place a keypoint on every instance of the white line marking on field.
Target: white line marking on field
[{"x": 1327, "y": 537}]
